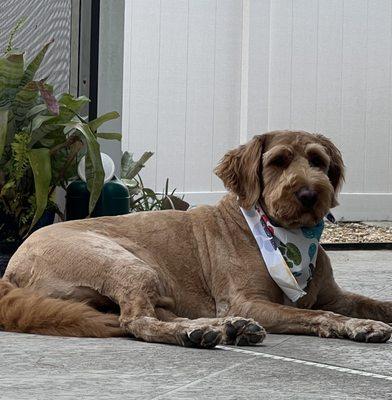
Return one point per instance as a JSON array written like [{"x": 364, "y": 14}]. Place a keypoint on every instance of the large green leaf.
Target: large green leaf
[
  {"x": 11, "y": 73},
  {"x": 96, "y": 123},
  {"x": 109, "y": 135},
  {"x": 37, "y": 121},
  {"x": 36, "y": 110},
  {"x": 3, "y": 130},
  {"x": 41, "y": 166},
  {"x": 32, "y": 68},
  {"x": 94, "y": 170},
  {"x": 74, "y": 104},
  {"x": 25, "y": 99},
  {"x": 46, "y": 129}
]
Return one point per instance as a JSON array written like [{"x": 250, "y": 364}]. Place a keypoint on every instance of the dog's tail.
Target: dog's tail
[{"x": 23, "y": 310}]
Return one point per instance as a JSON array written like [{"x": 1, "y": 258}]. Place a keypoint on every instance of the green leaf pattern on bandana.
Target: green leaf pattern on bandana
[{"x": 291, "y": 254}]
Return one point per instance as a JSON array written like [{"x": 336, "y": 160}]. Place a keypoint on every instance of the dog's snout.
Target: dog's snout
[{"x": 307, "y": 197}]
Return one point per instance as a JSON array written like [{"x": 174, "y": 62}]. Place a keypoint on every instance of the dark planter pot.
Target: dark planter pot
[{"x": 7, "y": 249}]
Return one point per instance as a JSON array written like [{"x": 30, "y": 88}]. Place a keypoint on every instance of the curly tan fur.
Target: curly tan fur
[
  {"x": 249, "y": 171},
  {"x": 240, "y": 171},
  {"x": 194, "y": 278}
]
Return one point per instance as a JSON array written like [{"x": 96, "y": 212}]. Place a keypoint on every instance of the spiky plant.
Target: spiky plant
[
  {"x": 41, "y": 139},
  {"x": 143, "y": 198}
]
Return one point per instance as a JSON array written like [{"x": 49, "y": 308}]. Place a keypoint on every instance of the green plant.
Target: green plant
[
  {"x": 42, "y": 137},
  {"x": 143, "y": 198}
]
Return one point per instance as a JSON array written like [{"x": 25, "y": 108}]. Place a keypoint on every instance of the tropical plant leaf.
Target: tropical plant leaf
[
  {"x": 126, "y": 162},
  {"x": 41, "y": 166},
  {"x": 32, "y": 68},
  {"x": 36, "y": 110},
  {"x": 96, "y": 123},
  {"x": 48, "y": 97},
  {"x": 171, "y": 202},
  {"x": 37, "y": 122},
  {"x": 10, "y": 45},
  {"x": 129, "y": 167},
  {"x": 24, "y": 100},
  {"x": 11, "y": 73},
  {"x": 94, "y": 169},
  {"x": 47, "y": 129},
  {"x": 3, "y": 130},
  {"x": 74, "y": 104},
  {"x": 109, "y": 135}
]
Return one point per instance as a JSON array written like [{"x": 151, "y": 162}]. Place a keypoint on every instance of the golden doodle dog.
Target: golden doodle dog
[{"x": 194, "y": 278}]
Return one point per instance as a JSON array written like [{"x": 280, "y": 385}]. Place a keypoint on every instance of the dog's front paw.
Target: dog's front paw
[
  {"x": 243, "y": 332},
  {"x": 366, "y": 330},
  {"x": 201, "y": 337}
]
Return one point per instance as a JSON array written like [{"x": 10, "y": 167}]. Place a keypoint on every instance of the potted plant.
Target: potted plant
[
  {"x": 143, "y": 198},
  {"x": 42, "y": 137}
]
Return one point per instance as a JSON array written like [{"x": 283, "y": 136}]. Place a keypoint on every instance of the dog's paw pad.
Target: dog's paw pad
[
  {"x": 243, "y": 332},
  {"x": 203, "y": 338},
  {"x": 371, "y": 332}
]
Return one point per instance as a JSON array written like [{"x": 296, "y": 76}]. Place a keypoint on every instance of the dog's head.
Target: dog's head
[{"x": 295, "y": 176}]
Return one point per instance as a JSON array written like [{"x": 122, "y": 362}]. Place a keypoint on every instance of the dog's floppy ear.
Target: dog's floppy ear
[
  {"x": 336, "y": 167},
  {"x": 240, "y": 171}
]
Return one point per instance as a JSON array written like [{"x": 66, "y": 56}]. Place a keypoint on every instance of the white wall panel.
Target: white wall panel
[
  {"x": 329, "y": 68},
  {"x": 200, "y": 96},
  {"x": 227, "y": 81},
  {"x": 378, "y": 96},
  {"x": 304, "y": 65},
  {"x": 172, "y": 100},
  {"x": 354, "y": 79},
  {"x": 141, "y": 80},
  {"x": 200, "y": 76},
  {"x": 259, "y": 60},
  {"x": 280, "y": 71}
]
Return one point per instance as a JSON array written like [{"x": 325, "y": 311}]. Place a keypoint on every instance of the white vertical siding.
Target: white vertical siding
[
  {"x": 200, "y": 96},
  {"x": 202, "y": 75},
  {"x": 227, "y": 84},
  {"x": 259, "y": 66},
  {"x": 378, "y": 94},
  {"x": 141, "y": 79}
]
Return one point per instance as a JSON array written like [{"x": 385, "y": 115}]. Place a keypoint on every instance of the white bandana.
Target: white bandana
[{"x": 289, "y": 254}]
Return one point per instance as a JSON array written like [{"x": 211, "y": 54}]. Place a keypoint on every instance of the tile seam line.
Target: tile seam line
[
  {"x": 214, "y": 374},
  {"x": 332, "y": 367},
  {"x": 378, "y": 291}
]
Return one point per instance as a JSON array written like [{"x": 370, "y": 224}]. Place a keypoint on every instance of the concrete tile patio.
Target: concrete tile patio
[{"x": 284, "y": 367}]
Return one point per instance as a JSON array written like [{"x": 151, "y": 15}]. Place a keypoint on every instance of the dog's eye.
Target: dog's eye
[
  {"x": 317, "y": 161},
  {"x": 280, "y": 161}
]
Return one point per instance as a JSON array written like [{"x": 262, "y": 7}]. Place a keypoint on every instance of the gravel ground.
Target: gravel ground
[{"x": 355, "y": 232}]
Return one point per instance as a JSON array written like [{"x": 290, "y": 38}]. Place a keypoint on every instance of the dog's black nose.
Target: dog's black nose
[{"x": 307, "y": 197}]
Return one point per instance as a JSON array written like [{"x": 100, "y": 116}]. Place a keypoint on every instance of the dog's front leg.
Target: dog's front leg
[
  {"x": 332, "y": 298},
  {"x": 277, "y": 318},
  {"x": 355, "y": 305}
]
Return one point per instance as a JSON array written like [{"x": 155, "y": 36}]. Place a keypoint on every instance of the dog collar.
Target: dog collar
[{"x": 289, "y": 254}]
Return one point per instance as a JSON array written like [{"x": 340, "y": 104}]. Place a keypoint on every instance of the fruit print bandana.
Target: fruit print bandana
[{"x": 289, "y": 254}]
